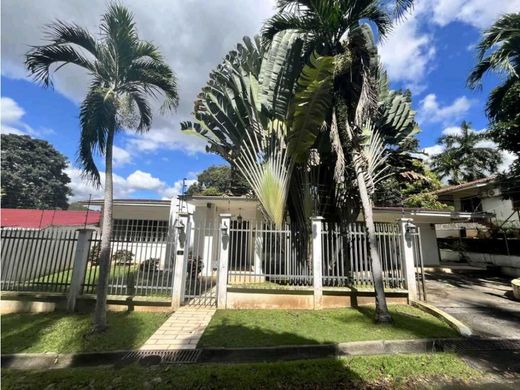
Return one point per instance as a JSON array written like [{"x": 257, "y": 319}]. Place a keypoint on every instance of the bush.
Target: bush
[
  {"x": 150, "y": 265},
  {"x": 93, "y": 255},
  {"x": 122, "y": 256},
  {"x": 195, "y": 267}
]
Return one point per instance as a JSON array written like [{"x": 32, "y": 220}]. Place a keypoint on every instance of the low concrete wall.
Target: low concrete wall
[
  {"x": 45, "y": 303},
  {"x": 509, "y": 265},
  {"x": 303, "y": 299}
]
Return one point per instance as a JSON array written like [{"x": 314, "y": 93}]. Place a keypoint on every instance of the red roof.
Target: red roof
[{"x": 39, "y": 219}]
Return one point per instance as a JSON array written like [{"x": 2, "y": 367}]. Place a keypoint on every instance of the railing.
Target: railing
[
  {"x": 37, "y": 260},
  {"x": 265, "y": 255},
  {"x": 345, "y": 256},
  {"x": 139, "y": 266}
]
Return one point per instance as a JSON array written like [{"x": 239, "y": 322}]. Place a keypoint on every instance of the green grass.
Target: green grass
[
  {"x": 60, "y": 332},
  {"x": 117, "y": 272},
  {"x": 246, "y": 328},
  {"x": 357, "y": 372}
]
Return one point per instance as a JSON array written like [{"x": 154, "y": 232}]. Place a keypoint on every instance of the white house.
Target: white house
[{"x": 144, "y": 220}]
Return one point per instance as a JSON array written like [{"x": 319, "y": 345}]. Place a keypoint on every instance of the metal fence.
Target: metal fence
[
  {"x": 37, "y": 260},
  {"x": 141, "y": 264},
  {"x": 265, "y": 254},
  {"x": 345, "y": 256}
]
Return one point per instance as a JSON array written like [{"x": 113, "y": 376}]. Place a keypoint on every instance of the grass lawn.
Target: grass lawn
[
  {"x": 409, "y": 371},
  {"x": 246, "y": 328},
  {"x": 117, "y": 272},
  {"x": 60, "y": 332}
]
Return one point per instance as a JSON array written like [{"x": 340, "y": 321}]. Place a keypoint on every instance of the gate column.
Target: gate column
[
  {"x": 406, "y": 230},
  {"x": 182, "y": 239},
  {"x": 223, "y": 260}
]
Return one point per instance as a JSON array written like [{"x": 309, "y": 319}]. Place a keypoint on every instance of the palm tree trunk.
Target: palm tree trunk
[
  {"x": 382, "y": 314},
  {"x": 100, "y": 312}
]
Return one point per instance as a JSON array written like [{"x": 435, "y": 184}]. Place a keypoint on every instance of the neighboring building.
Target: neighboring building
[
  {"x": 478, "y": 196},
  {"x": 43, "y": 219},
  {"x": 150, "y": 220}
]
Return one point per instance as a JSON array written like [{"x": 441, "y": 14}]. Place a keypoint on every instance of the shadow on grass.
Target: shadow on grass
[{"x": 62, "y": 333}]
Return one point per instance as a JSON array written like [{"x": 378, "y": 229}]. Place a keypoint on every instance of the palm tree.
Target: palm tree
[
  {"x": 499, "y": 52},
  {"x": 465, "y": 157},
  {"x": 125, "y": 71},
  {"x": 335, "y": 28}
]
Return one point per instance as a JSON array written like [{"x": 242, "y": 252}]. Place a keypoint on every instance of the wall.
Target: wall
[
  {"x": 430, "y": 250},
  {"x": 509, "y": 265},
  {"x": 502, "y": 208}
]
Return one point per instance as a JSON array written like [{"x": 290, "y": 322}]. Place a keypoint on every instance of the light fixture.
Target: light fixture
[
  {"x": 224, "y": 229},
  {"x": 239, "y": 218}
]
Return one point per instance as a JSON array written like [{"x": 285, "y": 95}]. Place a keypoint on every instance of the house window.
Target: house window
[
  {"x": 129, "y": 230},
  {"x": 471, "y": 205}
]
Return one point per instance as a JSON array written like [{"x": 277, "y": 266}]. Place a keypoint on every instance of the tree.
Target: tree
[
  {"x": 125, "y": 71},
  {"x": 465, "y": 158},
  {"x": 33, "y": 174},
  {"x": 217, "y": 180},
  {"x": 499, "y": 52},
  {"x": 336, "y": 29}
]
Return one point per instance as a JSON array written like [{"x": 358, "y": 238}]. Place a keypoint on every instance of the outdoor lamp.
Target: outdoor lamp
[
  {"x": 409, "y": 230},
  {"x": 224, "y": 229}
]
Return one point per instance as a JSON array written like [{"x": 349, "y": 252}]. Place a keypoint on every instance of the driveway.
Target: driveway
[
  {"x": 485, "y": 303},
  {"x": 482, "y": 301}
]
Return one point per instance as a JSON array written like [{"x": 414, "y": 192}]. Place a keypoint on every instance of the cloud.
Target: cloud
[
  {"x": 11, "y": 120},
  {"x": 477, "y": 13},
  {"x": 124, "y": 187},
  {"x": 405, "y": 42},
  {"x": 433, "y": 150},
  {"x": 120, "y": 156},
  {"x": 430, "y": 110},
  {"x": 193, "y": 37}
]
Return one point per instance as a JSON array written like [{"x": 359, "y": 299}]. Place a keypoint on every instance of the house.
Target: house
[
  {"x": 478, "y": 196},
  {"x": 150, "y": 220},
  {"x": 43, "y": 219}
]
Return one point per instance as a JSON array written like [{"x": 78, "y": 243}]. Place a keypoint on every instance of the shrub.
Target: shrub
[
  {"x": 122, "y": 256},
  {"x": 150, "y": 265},
  {"x": 93, "y": 255},
  {"x": 195, "y": 267}
]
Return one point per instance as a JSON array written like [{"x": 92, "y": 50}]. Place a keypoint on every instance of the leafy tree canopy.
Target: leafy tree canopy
[
  {"x": 218, "y": 180},
  {"x": 33, "y": 174}
]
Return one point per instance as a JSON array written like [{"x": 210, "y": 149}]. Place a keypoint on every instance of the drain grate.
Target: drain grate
[{"x": 181, "y": 356}]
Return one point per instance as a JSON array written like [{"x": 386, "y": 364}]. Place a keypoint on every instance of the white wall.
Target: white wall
[
  {"x": 430, "y": 251},
  {"x": 502, "y": 208}
]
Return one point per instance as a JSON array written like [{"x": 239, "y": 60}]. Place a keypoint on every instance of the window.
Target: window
[
  {"x": 139, "y": 230},
  {"x": 471, "y": 205}
]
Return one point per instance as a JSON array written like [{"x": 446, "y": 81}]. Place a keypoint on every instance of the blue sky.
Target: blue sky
[{"x": 431, "y": 52}]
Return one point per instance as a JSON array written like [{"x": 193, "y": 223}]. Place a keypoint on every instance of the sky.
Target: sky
[{"x": 431, "y": 52}]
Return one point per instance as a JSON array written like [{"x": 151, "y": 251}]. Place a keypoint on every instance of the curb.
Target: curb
[
  {"x": 43, "y": 361},
  {"x": 454, "y": 323}
]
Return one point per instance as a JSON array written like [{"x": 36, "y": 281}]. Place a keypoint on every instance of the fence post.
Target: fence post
[
  {"x": 317, "y": 225},
  {"x": 259, "y": 248},
  {"x": 183, "y": 235},
  {"x": 406, "y": 230},
  {"x": 223, "y": 260},
  {"x": 78, "y": 268}
]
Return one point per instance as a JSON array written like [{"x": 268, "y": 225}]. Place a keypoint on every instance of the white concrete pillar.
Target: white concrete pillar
[
  {"x": 182, "y": 248},
  {"x": 407, "y": 229},
  {"x": 79, "y": 267},
  {"x": 317, "y": 225},
  {"x": 259, "y": 248},
  {"x": 223, "y": 261}
]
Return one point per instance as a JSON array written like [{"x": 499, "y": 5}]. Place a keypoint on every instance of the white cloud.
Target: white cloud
[
  {"x": 11, "y": 119},
  {"x": 193, "y": 36},
  {"x": 120, "y": 156},
  {"x": 433, "y": 150},
  {"x": 430, "y": 110},
  {"x": 144, "y": 181},
  {"x": 124, "y": 187},
  {"x": 477, "y": 13},
  {"x": 407, "y": 42}
]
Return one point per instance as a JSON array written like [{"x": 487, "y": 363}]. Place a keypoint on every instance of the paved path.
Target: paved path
[
  {"x": 484, "y": 302},
  {"x": 182, "y": 330}
]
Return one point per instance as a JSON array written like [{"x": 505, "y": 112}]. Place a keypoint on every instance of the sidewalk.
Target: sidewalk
[{"x": 182, "y": 330}]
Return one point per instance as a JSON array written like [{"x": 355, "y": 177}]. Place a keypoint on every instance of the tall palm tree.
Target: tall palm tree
[
  {"x": 336, "y": 28},
  {"x": 125, "y": 71},
  {"x": 465, "y": 157}
]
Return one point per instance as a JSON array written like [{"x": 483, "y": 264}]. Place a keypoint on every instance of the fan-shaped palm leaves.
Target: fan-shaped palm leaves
[{"x": 125, "y": 71}]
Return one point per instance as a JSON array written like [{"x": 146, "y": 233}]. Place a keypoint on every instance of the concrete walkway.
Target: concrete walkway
[{"x": 182, "y": 330}]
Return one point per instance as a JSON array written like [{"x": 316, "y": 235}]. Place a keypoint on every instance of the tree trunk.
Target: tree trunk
[
  {"x": 100, "y": 312},
  {"x": 382, "y": 314}
]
